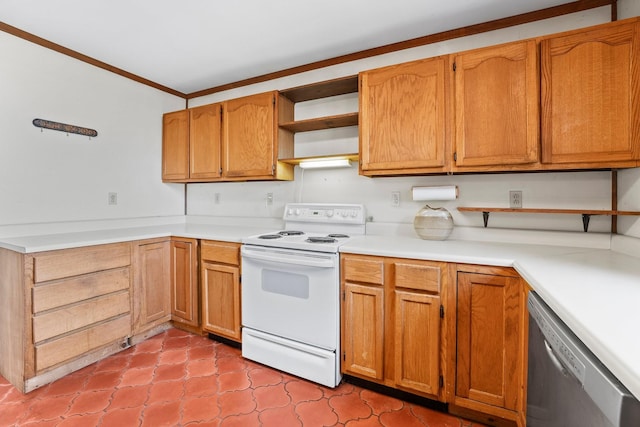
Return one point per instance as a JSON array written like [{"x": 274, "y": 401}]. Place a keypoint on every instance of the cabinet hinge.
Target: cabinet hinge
[
  {"x": 344, "y": 295},
  {"x": 274, "y": 100},
  {"x": 454, "y": 66},
  {"x": 455, "y": 157},
  {"x": 344, "y": 355},
  {"x": 273, "y": 168},
  {"x": 441, "y": 381},
  {"x": 442, "y": 311}
]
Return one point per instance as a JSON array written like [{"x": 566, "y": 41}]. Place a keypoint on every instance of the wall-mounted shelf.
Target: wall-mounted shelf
[
  {"x": 296, "y": 161},
  {"x": 586, "y": 213},
  {"x": 340, "y": 86},
  {"x": 320, "y": 90},
  {"x": 319, "y": 123}
]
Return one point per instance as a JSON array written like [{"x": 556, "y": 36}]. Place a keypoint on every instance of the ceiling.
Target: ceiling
[{"x": 193, "y": 45}]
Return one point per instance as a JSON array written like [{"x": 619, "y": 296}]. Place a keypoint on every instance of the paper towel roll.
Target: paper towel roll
[{"x": 445, "y": 192}]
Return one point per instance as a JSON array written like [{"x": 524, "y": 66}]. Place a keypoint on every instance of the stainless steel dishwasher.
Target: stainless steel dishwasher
[{"x": 567, "y": 385}]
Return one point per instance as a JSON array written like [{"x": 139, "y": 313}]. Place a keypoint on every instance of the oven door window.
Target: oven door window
[{"x": 285, "y": 283}]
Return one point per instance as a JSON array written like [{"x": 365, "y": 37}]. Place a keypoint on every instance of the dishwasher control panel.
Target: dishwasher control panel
[{"x": 557, "y": 342}]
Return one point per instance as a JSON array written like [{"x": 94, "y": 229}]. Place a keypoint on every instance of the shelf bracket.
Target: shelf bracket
[
  {"x": 585, "y": 222},
  {"x": 485, "y": 218}
]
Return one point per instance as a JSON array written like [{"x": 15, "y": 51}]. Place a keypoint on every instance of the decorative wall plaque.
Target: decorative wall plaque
[{"x": 63, "y": 127}]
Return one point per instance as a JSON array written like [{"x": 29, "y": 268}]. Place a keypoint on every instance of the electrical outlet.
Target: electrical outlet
[
  {"x": 269, "y": 199},
  {"x": 216, "y": 198},
  {"x": 395, "y": 199},
  {"x": 515, "y": 199},
  {"x": 113, "y": 198}
]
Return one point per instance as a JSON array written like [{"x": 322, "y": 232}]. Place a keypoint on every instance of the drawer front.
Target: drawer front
[
  {"x": 74, "y": 262},
  {"x": 226, "y": 253},
  {"x": 69, "y": 291},
  {"x": 71, "y": 346},
  {"x": 423, "y": 276},
  {"x": 363, "y": 270},
  {"x": 70, "y": 318}
]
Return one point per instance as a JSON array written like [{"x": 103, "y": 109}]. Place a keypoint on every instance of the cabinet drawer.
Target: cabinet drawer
[
  {"x": 69, "y": 291},
  {"x": 226, "y": 253},
  {"x": 364, "y": 270},
  {"x": 74, "y": 262},
  {"x": 423, "y": 276},
  {"x": 71, "y": 346},
  {"x": 70, "y": 318}
]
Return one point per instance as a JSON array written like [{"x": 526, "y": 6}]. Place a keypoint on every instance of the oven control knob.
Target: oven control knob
[
  {"x": 329, "y": 213},
  {"x": 344, "y": 214},
  {"x": 289, "y": 212},
  {"x": 297, "y": 212},
  {"x": 354, "y": 214}
]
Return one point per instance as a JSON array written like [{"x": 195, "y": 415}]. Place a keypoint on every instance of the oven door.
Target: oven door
[{"x": 292, "y": 294}]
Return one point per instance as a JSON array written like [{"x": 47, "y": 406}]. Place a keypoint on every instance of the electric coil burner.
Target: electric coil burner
[{"x": 291, "y": 290}]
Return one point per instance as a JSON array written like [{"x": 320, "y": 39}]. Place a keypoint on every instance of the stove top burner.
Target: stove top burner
[
  {"x": 291, "y": 233},
  {"x": 270, "y": 236},
  {"x": 338, "y": 236},
  {"x": 321, "y": 239}
]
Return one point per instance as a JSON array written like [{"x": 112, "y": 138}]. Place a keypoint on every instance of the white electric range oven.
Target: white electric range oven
[{"x": 291, "y": 290}]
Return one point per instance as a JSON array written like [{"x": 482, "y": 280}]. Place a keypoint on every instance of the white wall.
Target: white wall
[
  {"x": 588, "y": 190},
  {"x": 629, "y": 180},
  {"x": 49, "y": 176}
]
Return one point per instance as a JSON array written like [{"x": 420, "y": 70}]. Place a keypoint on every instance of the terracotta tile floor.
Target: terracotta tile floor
[{"x": 180, "y": 379}]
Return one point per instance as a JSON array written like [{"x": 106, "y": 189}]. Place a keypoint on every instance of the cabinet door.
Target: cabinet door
[
  {"x": 184, "y": 282},
  {"x": 204, "y": 138},
  {"x": 152, "y": 285},
  {"x": 221, "y": 300},
  {"x": 591, "y": 96},
  {"x": 249, "y": 136},
  {"x": 417, "y": 341},
  {"x": 363, "y": 330},
  {"x": 496, "y": 106},
  {"x": 403, "y": 118},
  {"x": 489, "y": 332},
  {"x": 175, "y": 146}
]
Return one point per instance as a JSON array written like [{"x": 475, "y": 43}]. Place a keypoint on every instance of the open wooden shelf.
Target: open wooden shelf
[
  {"x": 586, "y": 213},
  {"x": 328, "y": 122},
  {"x": 324, "y": 89}
]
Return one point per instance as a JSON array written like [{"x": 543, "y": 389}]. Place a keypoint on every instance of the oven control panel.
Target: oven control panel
[{"x": 325, "y": 212}]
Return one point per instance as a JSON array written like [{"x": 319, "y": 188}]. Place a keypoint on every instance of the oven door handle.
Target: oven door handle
[{"x": 286, "y": 258}]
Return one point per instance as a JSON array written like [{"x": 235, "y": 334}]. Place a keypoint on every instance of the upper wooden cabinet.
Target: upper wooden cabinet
[
  {"x": 403, "y": 118},
  {"x": 236, "y": 140},
  {"x": 252, "y": 142},
  {"x": 591, "y": 97},
  {"x": 191, "y": 144},
  {"x": 496, "y": 108},
  {"x": 175, "y": 146},
  {"x": 204, "y": 142}
]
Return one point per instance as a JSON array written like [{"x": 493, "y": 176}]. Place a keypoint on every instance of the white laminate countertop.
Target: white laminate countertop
[
  {"x": 596, "y": 292},
  {"x": 49, "y": 242}
]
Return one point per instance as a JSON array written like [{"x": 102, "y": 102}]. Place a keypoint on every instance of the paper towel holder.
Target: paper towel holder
[{"x": 442, "y": 192}]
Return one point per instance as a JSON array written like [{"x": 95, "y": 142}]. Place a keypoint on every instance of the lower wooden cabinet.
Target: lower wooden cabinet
[
  {"x": 363, "y": 330},
  {"x": 184, "y": 282},
  {"x": 391, "y": 320},
  {"x": 151, "y": 286},
  {"x": 220, "y": 282},
  {"x": 490, "y": 335},
  {"x": 62, "y": 310}
]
